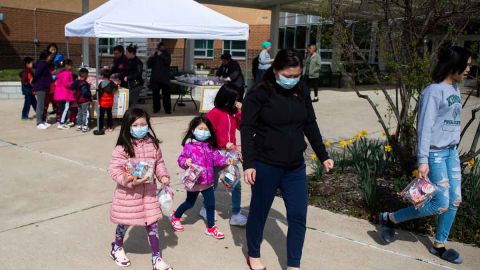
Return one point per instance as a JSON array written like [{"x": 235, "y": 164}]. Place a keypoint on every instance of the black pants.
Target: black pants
[
  {"x": 293, "y": 185},
  {"x": 312, "y": 83},
  {"x": 102, "y": 118},
  {"x": 166, "y": 92}
]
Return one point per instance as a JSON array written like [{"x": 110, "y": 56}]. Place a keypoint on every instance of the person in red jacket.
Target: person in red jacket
[
  {"x": 27, "y": 87},
  {"x": 226, "y": 118},
  {"x": 106, "y": 93}
]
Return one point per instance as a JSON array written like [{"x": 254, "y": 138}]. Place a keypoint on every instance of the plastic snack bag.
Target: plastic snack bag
[
  {"x": 143, "y": 169},
  {"x": 165, "y": 198},
  {"x": 230, "y": 177},
  {"x": 191, "y": 176},
  {"x": 419, "y": 192}
]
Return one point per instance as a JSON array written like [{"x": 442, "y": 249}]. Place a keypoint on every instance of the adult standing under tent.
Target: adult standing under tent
[
  {"x": 119, "y": 66},
  {"x": 311, "y": 71},
  {"x": 264, "y": 61},
  {"x": 134, "y": 74},
  {"x": 160, "y": 78},
  {"x": 231, "y": 73}
]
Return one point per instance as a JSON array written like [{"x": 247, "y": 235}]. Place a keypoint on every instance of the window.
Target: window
[
  {"x": 106, "y": 45},
  {"x": 203, "y": 49},
  {"x": 237, "y": 48}
]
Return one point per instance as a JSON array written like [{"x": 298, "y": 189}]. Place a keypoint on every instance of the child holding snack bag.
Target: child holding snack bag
[
  {"x": 136, "y": 164},
  {"x": 198, "y": 158},
  {"x": 226, "y": 118}
]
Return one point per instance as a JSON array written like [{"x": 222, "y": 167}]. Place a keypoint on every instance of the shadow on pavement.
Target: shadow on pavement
[{"x": 136, "y": 240}]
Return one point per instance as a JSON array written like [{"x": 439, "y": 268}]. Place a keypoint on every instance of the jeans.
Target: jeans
[
  {"x": 83, "y": 114},
  {"x": 41, "y": 96},
  {"x": 101, "y": 120},
  {"x": 236, "y": 193},
  {"x": 293, "y": 186},
  {"x": 30, "y": 100},
  {"x": 208, "y": 202},
  {"x": 166, "y": 96},
  {"x": 445, "y": 171}
]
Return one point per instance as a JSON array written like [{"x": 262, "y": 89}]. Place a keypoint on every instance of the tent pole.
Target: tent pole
[
  {"x": 68, "y": 47},
  {"x": 97, "y": 73},
  {"x": 246, "y": 64}
]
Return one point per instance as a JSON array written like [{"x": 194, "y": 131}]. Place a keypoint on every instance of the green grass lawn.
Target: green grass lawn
[{"x": 9, "y": 74}]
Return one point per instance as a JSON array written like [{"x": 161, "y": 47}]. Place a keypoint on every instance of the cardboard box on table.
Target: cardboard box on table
[{"x": 120, "y": 103}]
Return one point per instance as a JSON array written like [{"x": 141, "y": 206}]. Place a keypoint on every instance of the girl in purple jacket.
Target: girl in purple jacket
[{"x": 200, "y": 149}]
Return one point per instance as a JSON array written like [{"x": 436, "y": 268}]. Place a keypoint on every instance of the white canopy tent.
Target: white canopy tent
[
  {"x": 156, "y": 19},
  {"x": 174, "y": 19}
]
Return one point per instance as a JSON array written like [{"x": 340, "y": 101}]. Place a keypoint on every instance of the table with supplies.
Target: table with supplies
[{"x": 195, "y": 88}]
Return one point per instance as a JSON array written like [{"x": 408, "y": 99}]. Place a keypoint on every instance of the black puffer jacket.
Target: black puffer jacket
[
  {"x": 275, "y": 122},
  {"x": 134, "y": 72}
]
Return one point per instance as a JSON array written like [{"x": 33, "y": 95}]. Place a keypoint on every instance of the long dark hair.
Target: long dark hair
[
  {"x": 451, "y": 60},
  {"x": 54, "y": 45},
  {"x": 194, "y": 124},
  {"x": 286, "y": 58},
  {"x": 44, "y": 55},
  {"x": 125, "y": 138},
  {"x": 226, "y": 99}
]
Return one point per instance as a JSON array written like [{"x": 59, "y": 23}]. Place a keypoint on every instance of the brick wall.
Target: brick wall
[{"x": 17, "y": 34}]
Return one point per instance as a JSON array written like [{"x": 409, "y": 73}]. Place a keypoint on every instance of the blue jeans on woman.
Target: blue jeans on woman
[
  {"x": 293, "y": 186},
  {"x": 445, "y": 172},
  {"x": 236, "y": 192}
]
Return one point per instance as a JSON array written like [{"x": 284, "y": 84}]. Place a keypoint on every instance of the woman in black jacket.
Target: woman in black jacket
[
  {"x": 277, "y": 115},
  {"x": 134, "y": 74}
]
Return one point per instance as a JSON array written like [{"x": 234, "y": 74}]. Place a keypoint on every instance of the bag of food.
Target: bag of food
[
  {"x": 191, "y": 176},
  {"x": 165, "y": 198},
  {"x": 230, "y": 177},
  {"x": 419, "y": 192},
  {"x": 141, "y": 170}
]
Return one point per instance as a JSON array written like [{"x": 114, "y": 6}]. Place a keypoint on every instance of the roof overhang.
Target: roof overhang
[{"x": 311, "y": 7}]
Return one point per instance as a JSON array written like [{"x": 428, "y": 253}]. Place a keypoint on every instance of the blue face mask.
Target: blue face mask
[
  {"x": 287, "y": 83},
  {"x": 139, "y": 132},
  {"x": 202, "y": 135}
]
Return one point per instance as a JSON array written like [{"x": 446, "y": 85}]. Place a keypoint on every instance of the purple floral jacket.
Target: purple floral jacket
[{"x": 205, "y": 156}]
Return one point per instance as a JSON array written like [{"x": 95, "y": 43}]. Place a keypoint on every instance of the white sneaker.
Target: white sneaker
[
  {"x": 42, "y": 126},
  {"x": 47, "y": 124},
  {"x": 60, "y": 126},
  {"x": 238, "y": 220},
  {"x": 119, "y": 256},
  {"x": 79, "y": 128},
  {"x": 203, "y": 214}
]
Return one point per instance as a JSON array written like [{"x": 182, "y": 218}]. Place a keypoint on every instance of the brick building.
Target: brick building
[{"x": 28, "y": 26}]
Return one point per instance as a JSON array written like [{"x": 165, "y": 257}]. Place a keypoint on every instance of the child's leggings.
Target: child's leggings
[
  {"x": 152, "y": 231},
  {"x": 208, "y": 201}
]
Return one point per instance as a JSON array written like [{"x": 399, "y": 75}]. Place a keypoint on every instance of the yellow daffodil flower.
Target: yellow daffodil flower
[
  {"x": 357, "y": 136},
  {"x": 363, "y": 133},
  {"x": 343, "y": 143},
  {"x": 388, "y": 148},
  {"x": 350, "y": 142},
  {"x": 470, "y": 163},
  {"x": 415, "y": 173},
  {"x": 314, "y": 157}
]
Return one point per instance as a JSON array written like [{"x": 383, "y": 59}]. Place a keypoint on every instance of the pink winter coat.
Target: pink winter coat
[
  {"x": 205, "y": 156},
  {"x": 225, "y": 126},
  {"x": 136, "y": 205},
  {"x": 62, "y": 86}
]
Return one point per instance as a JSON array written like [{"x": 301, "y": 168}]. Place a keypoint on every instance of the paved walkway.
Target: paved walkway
[{"x": 56, "y": 197}]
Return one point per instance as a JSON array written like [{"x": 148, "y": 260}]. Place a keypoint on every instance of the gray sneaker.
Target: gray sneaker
[{"x": 238, "y": 220}]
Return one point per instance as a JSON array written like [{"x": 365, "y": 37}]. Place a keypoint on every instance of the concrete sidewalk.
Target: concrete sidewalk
[{"x": 56, "y": 197}]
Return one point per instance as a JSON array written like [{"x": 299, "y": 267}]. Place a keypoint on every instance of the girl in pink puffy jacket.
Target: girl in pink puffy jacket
[
  {"x": 134, "y": 201},
  {"x": 64, "y": 95},
  {"x": 199, "y": 148}
]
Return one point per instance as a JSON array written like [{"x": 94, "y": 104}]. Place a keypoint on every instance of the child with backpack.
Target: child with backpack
[
  {"x": 26, "y": 76},
  {"x": 83, "y": 98}
]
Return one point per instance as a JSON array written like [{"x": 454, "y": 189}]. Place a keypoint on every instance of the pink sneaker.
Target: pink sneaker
[
  {"x": 214, "y": 232},
  {"x": 176, "y": 223}
]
